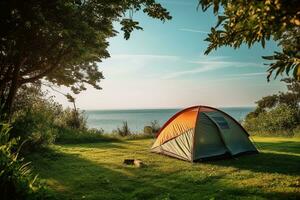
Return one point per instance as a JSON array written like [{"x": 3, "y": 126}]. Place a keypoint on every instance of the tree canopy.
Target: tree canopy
[
  {"x": 249, "y": 22},
  {"x": 61, "y": 41}
]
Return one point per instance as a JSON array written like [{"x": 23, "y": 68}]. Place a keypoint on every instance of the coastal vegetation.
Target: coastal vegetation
[{"x": 277, "y": 114}]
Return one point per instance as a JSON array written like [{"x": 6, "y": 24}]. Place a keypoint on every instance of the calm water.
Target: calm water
[{"x": 137, "y": 119}]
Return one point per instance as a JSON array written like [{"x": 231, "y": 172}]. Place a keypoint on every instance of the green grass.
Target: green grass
[{"x": 95, "y": 171}]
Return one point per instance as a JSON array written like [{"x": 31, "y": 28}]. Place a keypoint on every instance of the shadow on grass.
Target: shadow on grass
[
  {"x": 284, "y": 146},
  {"x": 115, "y": 144},
  {"x": 74, "y": 177},
  {"x": 264, "y": 162},
  {"x": 86, "y": 139}
]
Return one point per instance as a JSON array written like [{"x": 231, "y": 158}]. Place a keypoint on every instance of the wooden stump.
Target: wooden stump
[{"x": 135, "y": 162}]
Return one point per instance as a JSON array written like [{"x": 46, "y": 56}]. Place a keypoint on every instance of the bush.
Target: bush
[
  {"x": 39, "y": 120},
  {"x": 16, "y": 179},
  {"x": 155, "y": 126},
  {"x": 281, "y": 119},
  {"x": 148, "y": 130},
  {"x": 153, "y": 129},
  {"x": 124, "y": 130},
  {"x": 72, "y": 119},
  {"x": 69, "y": 136},
  {"x": 35, "y": 124}
]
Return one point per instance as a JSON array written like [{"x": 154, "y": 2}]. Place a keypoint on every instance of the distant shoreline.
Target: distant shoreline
[{"x": 180, "y": 108}]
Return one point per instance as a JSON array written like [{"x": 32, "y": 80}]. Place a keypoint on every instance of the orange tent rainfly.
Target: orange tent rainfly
[{"x": 201, "y": 132}]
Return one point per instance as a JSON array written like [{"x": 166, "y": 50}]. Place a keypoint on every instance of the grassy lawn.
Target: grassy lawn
[{"x": 95, "y": 171}]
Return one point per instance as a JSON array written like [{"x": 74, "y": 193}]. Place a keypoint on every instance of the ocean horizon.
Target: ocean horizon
[{"x": 137, "y": 119}]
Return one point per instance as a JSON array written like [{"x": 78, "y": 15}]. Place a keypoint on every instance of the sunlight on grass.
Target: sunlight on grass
[{"x": 95, "y": 171}]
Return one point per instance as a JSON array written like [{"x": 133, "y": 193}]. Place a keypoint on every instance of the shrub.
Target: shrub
[
  {"x": 153, "y": 129},
  {"x": 72, "y": 119},
  {"x": 280, "y": 119},
  {"x": 148, "y": 130},
  {"x": 39, "y": 120},
  {"x": 297, "y": 131},
  {"x": 124, "y": 130},
  {"x": 16, "y": 179},
  {"x": 71, "y": 136},
  {"x": 35, "y": 123},
  {"x": 155, "y": 126}
]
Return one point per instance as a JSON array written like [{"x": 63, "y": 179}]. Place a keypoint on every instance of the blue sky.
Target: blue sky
[{"x": 164, "y": 67}]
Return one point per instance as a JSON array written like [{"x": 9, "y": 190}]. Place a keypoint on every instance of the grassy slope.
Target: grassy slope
[{"x": 95, "y": 171}]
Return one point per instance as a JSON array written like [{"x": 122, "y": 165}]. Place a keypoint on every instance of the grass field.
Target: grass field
[{"x": 95, "y": 171}]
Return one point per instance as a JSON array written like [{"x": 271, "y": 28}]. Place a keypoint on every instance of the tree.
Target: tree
[
  {"x": 277, "y": 112},
  {"x": 248, "y": 22},
  {"x": 290, "y": 98},
  {"x": 61, "y": 41}
]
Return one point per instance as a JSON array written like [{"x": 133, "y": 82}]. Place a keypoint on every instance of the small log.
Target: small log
[{"x": 135, "y": 162}]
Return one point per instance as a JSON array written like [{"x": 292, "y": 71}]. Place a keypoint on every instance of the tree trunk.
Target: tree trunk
[{"x": 7, "y": 109}]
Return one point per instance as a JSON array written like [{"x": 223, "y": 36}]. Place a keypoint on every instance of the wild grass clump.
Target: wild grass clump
[
  {"x": 16, "y": 178},
  {"x": 124, "y": 130},
  {"x": 69, "y": 136}
]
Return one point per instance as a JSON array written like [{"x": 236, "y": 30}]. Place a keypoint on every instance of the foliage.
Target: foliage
[
  {"x": 148, "y": 130},
  {"x": 152, "y": 129},
  {"x": 69, "y": 136},
  {"x": 282, "y": 118},
  {"x": 277, "y": 114},
  {"x": 250, "y": 22},
  {"x": 291, "y": 98},
  {"x": 155, "y": 126},
  {"x": 95, "y": 171},
  {"x": 124, "y": 130},
  {"x": 72, "y": 119},
  {"x": 61, "y": 41},
  {"x": 35, "y": 123},
  {"x": 40, "y": 120},
  {"x": 16, "y": 178}
]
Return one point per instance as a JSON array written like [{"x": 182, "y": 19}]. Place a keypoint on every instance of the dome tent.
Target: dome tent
[{"x": 202, "y": 132}]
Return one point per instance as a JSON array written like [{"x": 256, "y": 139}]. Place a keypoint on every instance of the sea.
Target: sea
[{"x": 137, "y": 119}]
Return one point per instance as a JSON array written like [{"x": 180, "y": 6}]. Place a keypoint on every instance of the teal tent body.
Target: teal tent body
[{"x": 202, "y": 132}]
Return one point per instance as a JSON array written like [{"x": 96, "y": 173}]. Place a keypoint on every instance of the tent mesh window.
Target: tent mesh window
[{"x": 221, "y": 121}]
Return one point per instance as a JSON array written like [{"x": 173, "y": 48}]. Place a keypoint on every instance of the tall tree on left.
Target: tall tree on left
[{"x": 61, "y": 41}]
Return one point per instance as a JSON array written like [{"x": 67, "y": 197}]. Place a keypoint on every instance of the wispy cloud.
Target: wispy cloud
[
  {"x": 211, "y": 64},
  {"x": 193, "y": 30},
  {"x": 249, "y": 74},
  {"x": 144, "y": 56},
  {"x": 240, "y": 76},
  {"x": 216, "y": 61},
  {"x": 193, "y": 71},
  {"x": 181, "y": 3}
]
